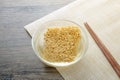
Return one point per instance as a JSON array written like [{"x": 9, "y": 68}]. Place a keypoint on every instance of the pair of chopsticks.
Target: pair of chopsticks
[{"x": 105, "y": 51}]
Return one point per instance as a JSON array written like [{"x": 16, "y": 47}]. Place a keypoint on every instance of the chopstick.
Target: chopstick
[{"x": 105, "y": 51}]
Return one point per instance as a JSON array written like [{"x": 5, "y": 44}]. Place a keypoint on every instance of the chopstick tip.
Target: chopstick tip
[{"x": 85, "y": 23}]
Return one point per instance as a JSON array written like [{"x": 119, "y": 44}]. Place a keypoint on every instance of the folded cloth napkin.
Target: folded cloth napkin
[{"x": 104, "y": 18}]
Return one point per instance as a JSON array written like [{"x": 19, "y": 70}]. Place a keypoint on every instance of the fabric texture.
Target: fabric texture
[{"x": 104, "y": 18}]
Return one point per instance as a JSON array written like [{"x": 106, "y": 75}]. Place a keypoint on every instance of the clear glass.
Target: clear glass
[{"x": 38, "y": 41}]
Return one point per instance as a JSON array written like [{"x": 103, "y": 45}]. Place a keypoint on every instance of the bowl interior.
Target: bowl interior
[{"x": 38, "y": 41}]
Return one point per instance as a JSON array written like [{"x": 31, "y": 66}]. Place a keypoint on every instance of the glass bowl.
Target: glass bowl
[{"x": 38, "y": 41}]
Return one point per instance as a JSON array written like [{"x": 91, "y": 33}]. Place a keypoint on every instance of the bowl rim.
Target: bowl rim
[{"x": 68, "y": 64}]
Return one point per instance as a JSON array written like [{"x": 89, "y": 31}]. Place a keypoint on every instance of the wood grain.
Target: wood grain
[
  {"x": 89, "y": 10},
  {"x": 103, "y": 48},
  {"x": 103, "y": 15},
  {"x": 17, "y": 59}
]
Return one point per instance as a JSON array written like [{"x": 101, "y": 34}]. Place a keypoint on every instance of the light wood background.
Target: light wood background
[{"x": 17, "y": 59}]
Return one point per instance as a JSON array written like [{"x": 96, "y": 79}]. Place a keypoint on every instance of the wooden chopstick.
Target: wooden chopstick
[{"x": 106, "y": 52}]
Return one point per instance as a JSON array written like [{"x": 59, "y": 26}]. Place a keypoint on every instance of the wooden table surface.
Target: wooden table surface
[{"x": 17, "y": 59}]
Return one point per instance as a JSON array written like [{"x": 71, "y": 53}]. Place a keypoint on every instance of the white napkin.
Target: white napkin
[{"x": 104, "y": 18}]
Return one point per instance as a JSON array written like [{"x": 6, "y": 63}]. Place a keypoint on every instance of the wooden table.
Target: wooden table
[{"x": 17, "y": 59}]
